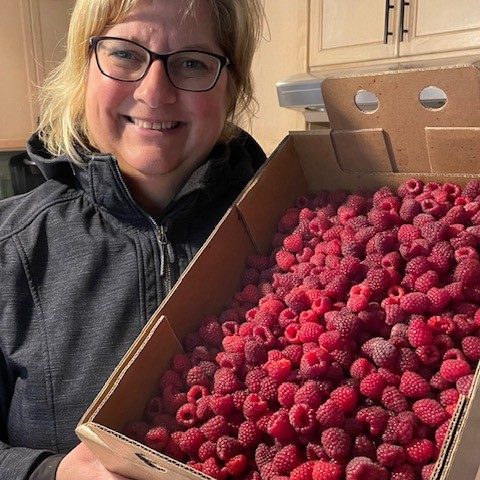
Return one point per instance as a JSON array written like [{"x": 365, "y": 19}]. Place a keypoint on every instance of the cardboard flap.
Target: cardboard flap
[
  {"x": 121, "y": 455},
  {"x": 260, "y": 207},
  {"x": 454, "y": 149},
  {"x": 400, "y": 113},
  {"x": 362, "y": 150}
]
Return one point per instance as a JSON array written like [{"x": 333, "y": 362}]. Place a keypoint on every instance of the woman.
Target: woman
[{"x": 137, "y": 142}]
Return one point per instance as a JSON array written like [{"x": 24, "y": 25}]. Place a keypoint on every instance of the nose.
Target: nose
[{"x": 155, "y": 88}]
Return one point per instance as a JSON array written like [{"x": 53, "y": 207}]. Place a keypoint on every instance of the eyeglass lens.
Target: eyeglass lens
[{"x": 189, "y": 70}]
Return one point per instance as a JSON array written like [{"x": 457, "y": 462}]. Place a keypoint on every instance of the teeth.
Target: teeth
[{"x": 154, "y": 126}]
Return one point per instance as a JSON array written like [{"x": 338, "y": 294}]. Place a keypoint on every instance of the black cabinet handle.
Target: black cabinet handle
[
  {"x": 386, "y": 33},
  {"x": 403, "y": 30}
]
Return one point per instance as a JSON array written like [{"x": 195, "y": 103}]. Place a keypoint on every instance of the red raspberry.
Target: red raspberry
[
  {"x": 279, "y": 370},
  {"x": 361, "y": 367},
  {"x": 419, "y": 333},
  {"x": 372, "y": 386},
  {"x": 215, "y": 427},
  {"x": 254, "y": 378},
  {"x": 280, "y": 428},
  {"x": 187, "y": 415},
  {"x": 286, "y": 224},
  {"x": 310, "y": 394},
  {"x": 452, "y": 370},
  {"x": 363, "y": 447},
  {"x": 286, "y": 394},
  {"x": 157, "y": 438},
  {"x": 467, "y": 271},
  {"x": 411, "y": 187},
  {"x": 225, "y": 381},
  {"x": 415, "y": 302},
  {"x": 329, "y": 414},
  {"x": 362, "y": 468},
  {"x": 302, "y": 418},
  {"x": 293, "y": 243},
  {"x": 427, "y": 471},
  {"x": 254, "y": 406},
  {"x": 303, "y": 471},
  {"x": 207, "y": 450},
  {"x": 384, "y": 354},
  {"x": 249, "y": 435},
  {"x": 324, "y": 470},
  {"x": 345, "y": 397},
  {"x": 237, "y": 465},
  {"x": 464, "y": 384},
  {"x": 413, "y": 385},
  {"x": 336, "y": 443},
  {"x": 228, "y": 447},
  {"x": 263, "y": 455},
  {"x": 441, "y": 433},
  {"x": 375, "y": 417},
  {"x": 389, "y": 455},
  {"x": 471, "y": 348},
  {"x": 285, "y": 260},
  {"x": 430, "y": 412},
  {"x": 288, "y": 458},
  {"x": 268, "y": 389},
  {"x": 191, "y": 440},
  {"x": 394, "y": 400},
  {"x": 420, "y": 452},
  {"x": 197, "y": 376},
  {"x": 403, "y": 472}
]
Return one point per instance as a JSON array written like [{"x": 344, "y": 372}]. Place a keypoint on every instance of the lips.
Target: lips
[{"x": 159, "y": 126}]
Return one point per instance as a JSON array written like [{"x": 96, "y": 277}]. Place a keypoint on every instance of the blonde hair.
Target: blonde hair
[{"x": 63, "y": 128}]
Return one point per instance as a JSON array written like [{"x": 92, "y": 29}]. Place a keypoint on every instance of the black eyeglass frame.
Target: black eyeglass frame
[{"x": 224, "y": 61}]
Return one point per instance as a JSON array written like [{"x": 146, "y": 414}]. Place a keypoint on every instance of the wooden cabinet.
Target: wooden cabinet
[
  {"x": 31, "y": 35},
  {"x": 351, "y": 31}
]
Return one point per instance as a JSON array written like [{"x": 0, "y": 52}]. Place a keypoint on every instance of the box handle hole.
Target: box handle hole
[
  {"x": 432, "y": 98},
  {"x": 366, "y": 101},
  {"x": 150, "y": 463}
]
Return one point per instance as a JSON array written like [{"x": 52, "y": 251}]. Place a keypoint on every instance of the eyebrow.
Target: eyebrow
[{"x": 190, "y": 46}]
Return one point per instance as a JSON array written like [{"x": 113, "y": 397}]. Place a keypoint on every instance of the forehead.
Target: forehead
[{"x": 169, "y": 24}]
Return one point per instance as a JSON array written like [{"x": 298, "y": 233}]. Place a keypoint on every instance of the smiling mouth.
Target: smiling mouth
[{"x": 160, "y": 126}]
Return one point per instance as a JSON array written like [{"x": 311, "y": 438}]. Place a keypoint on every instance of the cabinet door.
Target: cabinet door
[
  {"x": 344, "y": 31},
  {"x": 17, "y": 119},
  {"x": 440, "y": 26}
]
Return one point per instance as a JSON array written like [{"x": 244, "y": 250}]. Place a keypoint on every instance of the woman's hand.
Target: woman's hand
[{"x": 82, "y": 464}]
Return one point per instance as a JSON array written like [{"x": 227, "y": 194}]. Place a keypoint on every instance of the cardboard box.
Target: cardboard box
[{"x": 361, "y": 151}]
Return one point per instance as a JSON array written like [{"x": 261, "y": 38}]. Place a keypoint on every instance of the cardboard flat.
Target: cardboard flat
[{"x": 362, "y": 152}]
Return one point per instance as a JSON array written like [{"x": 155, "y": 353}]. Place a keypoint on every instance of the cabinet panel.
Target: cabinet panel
[
  {"x": 343, "y": 31},
  {"x": 440, "y": 26},
  {"x": 16, "y": 81}
]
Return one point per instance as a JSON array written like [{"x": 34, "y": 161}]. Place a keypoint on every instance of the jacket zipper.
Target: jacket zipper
[{"x": 167, "y": 255}]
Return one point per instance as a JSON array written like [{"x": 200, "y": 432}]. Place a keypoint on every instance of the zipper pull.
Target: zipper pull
[{"x": 166, "y": 247}]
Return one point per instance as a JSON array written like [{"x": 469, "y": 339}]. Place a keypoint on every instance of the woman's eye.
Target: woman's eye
[
  {"x": 193, "y": 64},
  {"x": 124, "y": 55}
]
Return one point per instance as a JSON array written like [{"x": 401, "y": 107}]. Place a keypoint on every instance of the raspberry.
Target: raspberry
[
  {"x": 288, "y": 458},
  {"x": 336, "y": 443},
  {"x": 225, "y": 381},
  {"x": 236, "y": 465},
  {"x": 360, "y": 368},
  {"x": 464, "y": 384},
  {"x": 430, "y": 412},
  {"x": 286, "y": 394},
  {"x": 254, "y": 406},
  {"x": 415, "y": 302},
  {"x": 403, "y": 472},
  {"x": 310, "y": 394},
  {"x": 157, "y": 438},
  {"x": 197, "y": 376},
  {"x": 452, "y": 370},
  {"x": 362, "y": 468},
  {"x": 215, "y": 427},
  {"x": 419, "y": 333},
  {"x": 375, "y": 417},
  {"x": 187, "y": 415},
  {"x": 420, "y": 452},
  {"x": 293, "y": 243},
  {"x": 285, "y": 260},
  {"x": 467, "y": 271},
  {"x": 170, "y": 377},
  {"x": 389, "y": 455},
  {"x": 363, "y": 447},
  {"x": 302, "y": 418},
  {"x": 263, "y": 455},
  {"x": 372, "y": 385},
  {"x": 279, "y": 370},
  {"x": 324, "y": 470},
  {"x": 394, "y": 400},
  {"x": 384, "y": 354},
  {"x": 303, "y": 471},
  {"x": 413, "y": 385},
  {"x": 228, "y": 447},
  {"x": 345, "y": 397},
  {"x": 471, "y": 348},
  {"x": 329, "y": 414},
  {"x": 254, "y": 378},
  {"x": 191, "y": 440},
  {"x": 411, "y": 187},
  {"x": 280, "y": 428},
  {"x": 249, "y": 435}
]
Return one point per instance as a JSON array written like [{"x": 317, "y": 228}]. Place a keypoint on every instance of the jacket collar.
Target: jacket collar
[{"x": 226, "y": 166}]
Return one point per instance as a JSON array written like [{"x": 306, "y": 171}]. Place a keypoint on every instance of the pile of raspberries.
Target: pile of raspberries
[{"x": 345, "y": 351}]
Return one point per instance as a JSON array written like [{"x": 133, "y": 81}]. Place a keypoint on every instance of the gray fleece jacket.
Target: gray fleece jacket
[{"x": 82, "y": 269}]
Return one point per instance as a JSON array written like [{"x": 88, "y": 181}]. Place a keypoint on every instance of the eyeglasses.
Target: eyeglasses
[{"x": 127, "y": 61}]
